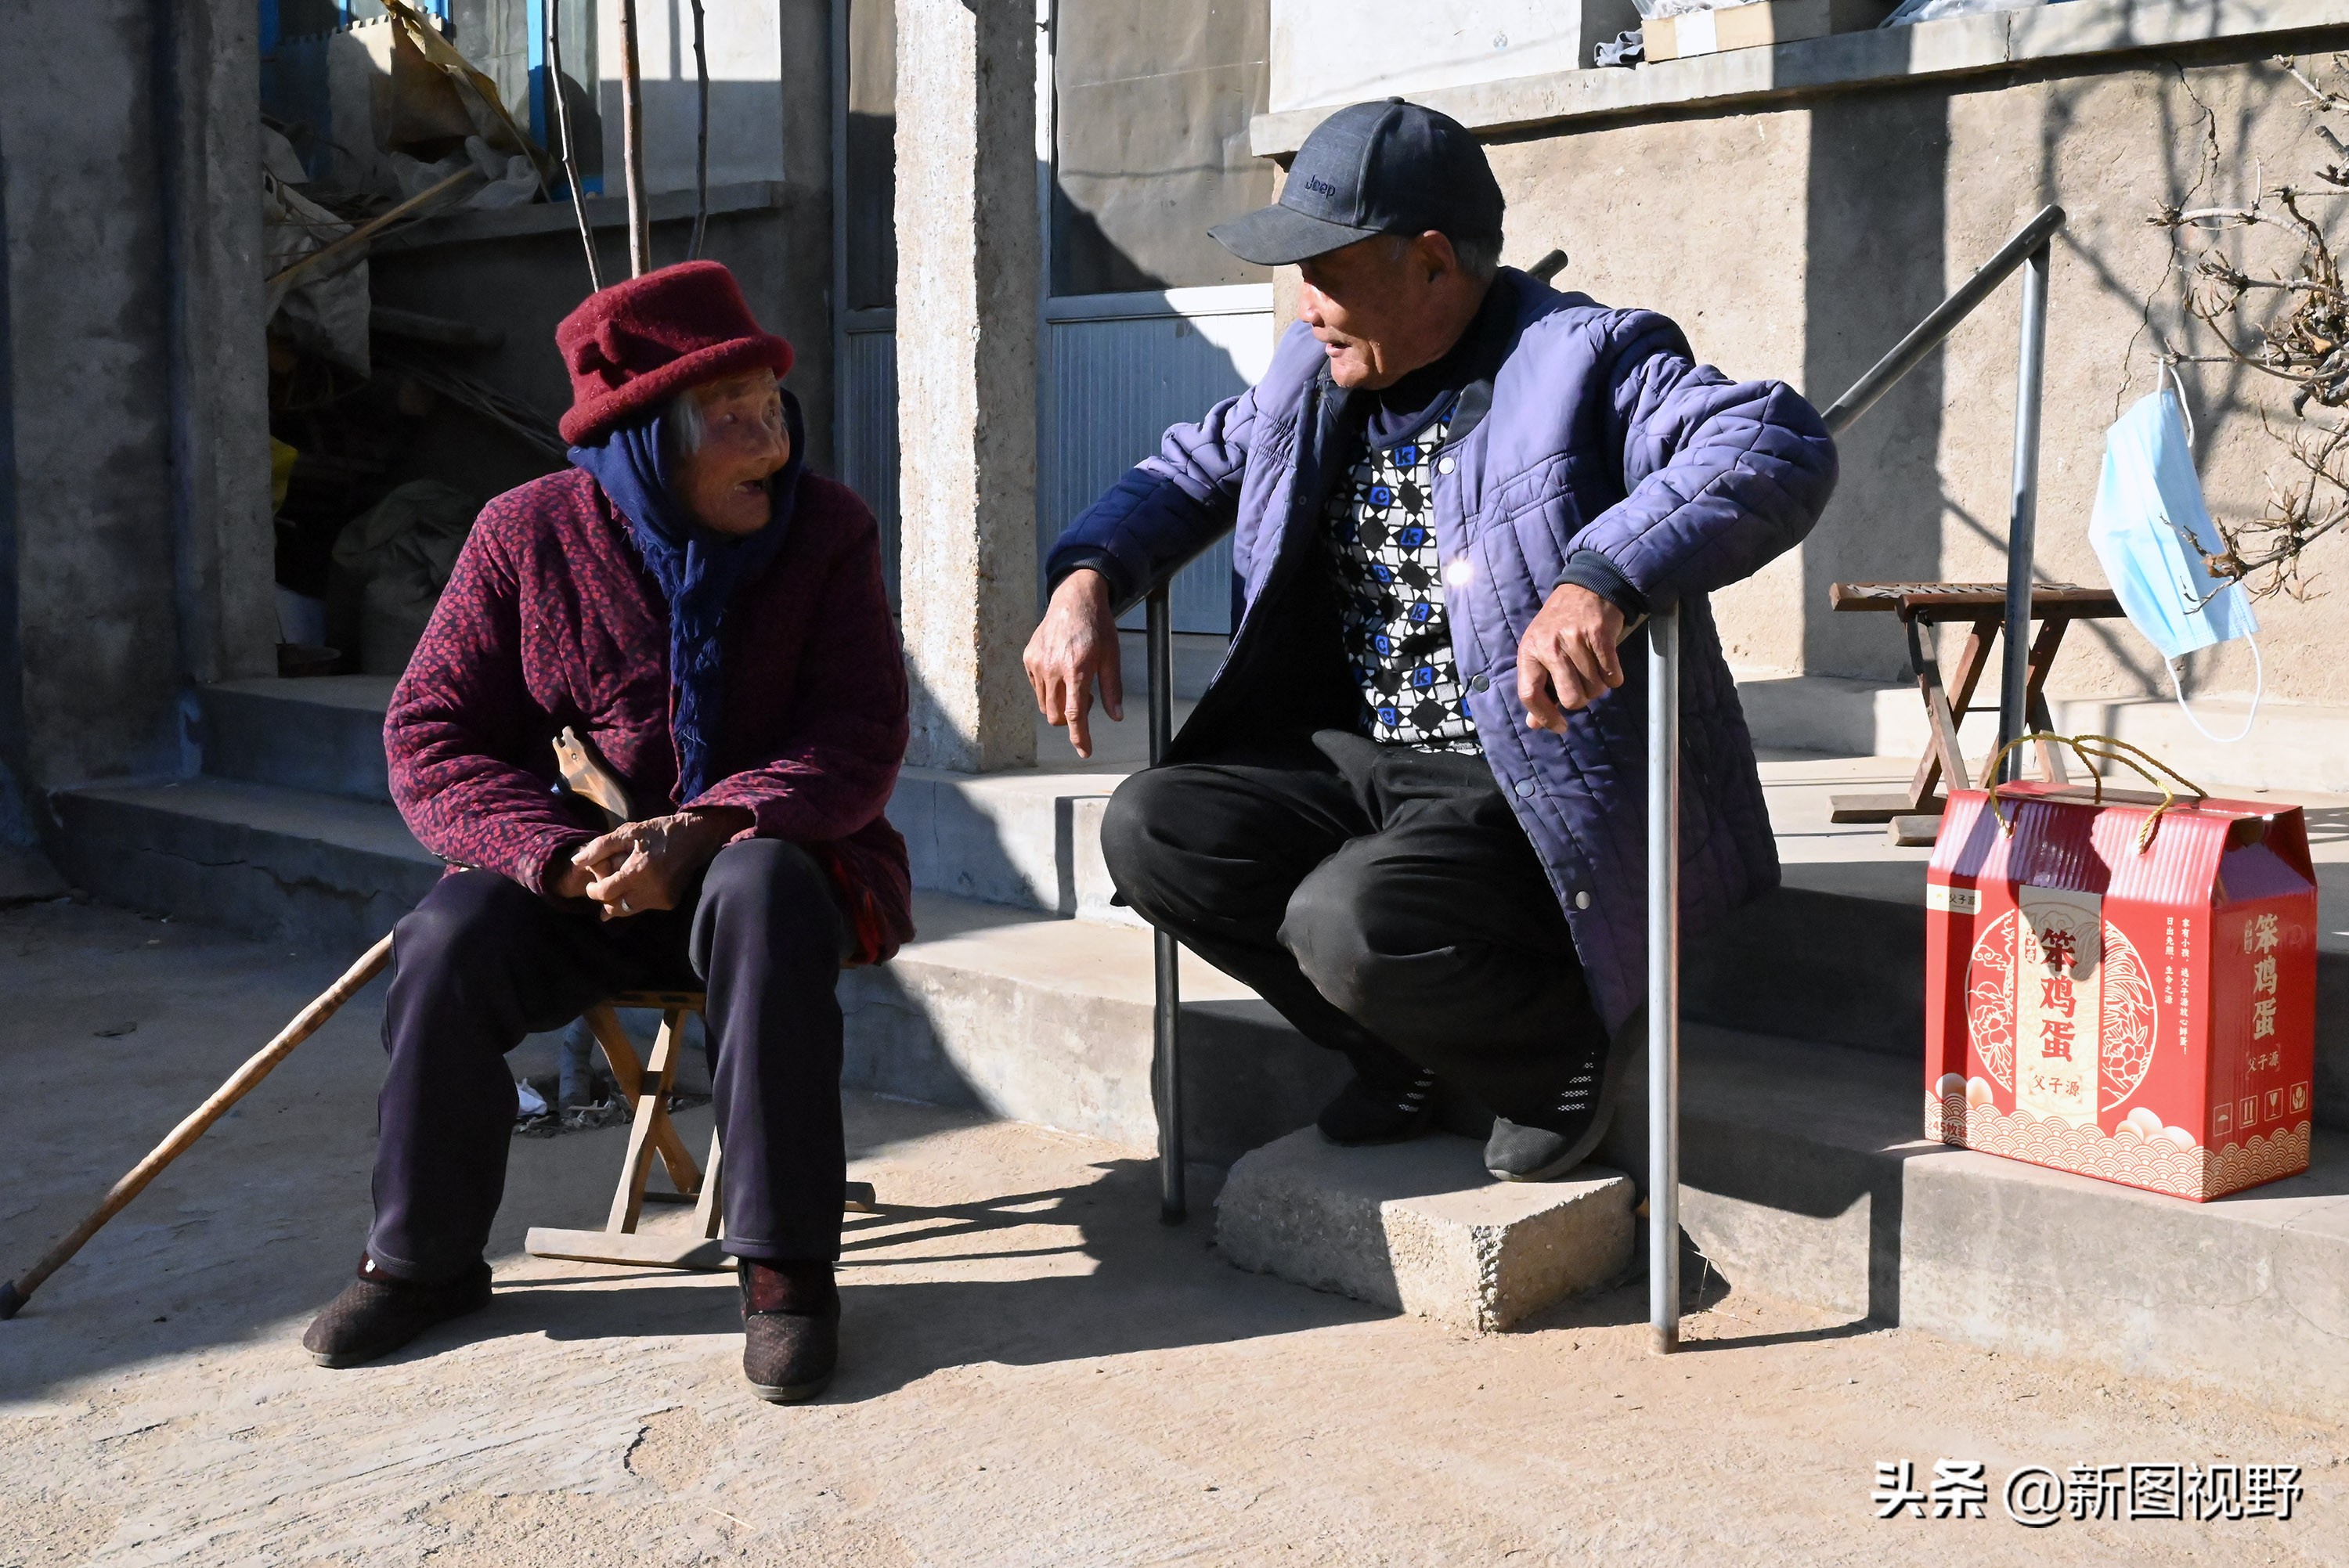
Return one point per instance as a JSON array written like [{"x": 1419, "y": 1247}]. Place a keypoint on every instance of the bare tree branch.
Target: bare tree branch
[{"x": 2290, "y": 325}]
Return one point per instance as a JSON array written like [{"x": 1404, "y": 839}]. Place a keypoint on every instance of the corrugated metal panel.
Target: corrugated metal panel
[
  {"x": 1116, "y": 386},
  {"x": 868, "y": 446}
]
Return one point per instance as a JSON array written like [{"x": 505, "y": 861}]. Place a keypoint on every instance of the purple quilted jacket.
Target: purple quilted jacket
[{"x": 1600, "y": 438}]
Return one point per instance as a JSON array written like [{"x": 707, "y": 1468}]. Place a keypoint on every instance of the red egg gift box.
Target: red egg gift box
[{"x": 2124, "y": 988}]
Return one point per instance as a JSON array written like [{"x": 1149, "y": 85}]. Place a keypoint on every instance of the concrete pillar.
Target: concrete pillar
[
  {"x": 207, "y": 74},
  {"x": 967, "y": 265}
]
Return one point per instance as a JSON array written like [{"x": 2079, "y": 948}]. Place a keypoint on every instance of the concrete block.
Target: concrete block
[{"x": 1421, "y": 1227}]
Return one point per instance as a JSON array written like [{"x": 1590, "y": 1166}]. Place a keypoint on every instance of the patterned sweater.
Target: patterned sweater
[
  {"x": 550, "y": 619},
  {"x": 1382, "y": 548}
]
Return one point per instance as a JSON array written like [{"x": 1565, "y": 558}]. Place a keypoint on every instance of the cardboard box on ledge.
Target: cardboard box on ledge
[
  {"x": 2142, "y": 1014},
  {"x": 1756, "y": 24}
]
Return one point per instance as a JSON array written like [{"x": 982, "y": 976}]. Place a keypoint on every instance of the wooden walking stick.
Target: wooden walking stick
[{"x": 307, "y": 1022}]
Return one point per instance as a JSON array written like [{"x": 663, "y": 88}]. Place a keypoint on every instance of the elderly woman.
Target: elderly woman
[{"x": 710, "y": 617}]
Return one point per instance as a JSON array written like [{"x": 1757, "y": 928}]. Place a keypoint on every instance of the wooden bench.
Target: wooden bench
[{"x": 1982, "y": 606}]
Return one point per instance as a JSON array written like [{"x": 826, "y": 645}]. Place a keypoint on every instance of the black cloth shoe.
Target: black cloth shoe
[
  {"x": 791, "y": 1329},
  {"x": 1364, "y": 1113},
  {"x": 1555, "y": 1137},
  {"x": 375, "y": 1314}
]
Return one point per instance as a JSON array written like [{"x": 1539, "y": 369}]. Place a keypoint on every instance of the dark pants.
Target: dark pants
[
  {"x": 1384, "y": 899},
  {"x": 482, "y": 962}
]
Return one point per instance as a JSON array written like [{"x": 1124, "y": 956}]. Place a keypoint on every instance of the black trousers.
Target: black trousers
[
  {"x": 1384, "y": 899},
  {"x": 483, "y": 961}
]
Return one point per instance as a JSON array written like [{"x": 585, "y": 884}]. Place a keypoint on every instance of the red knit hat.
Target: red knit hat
[{"x": 634, "y": 345}]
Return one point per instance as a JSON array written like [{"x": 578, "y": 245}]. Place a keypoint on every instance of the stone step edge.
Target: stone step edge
[
  {"x": 324, "y": 871},
  {"x": 1807, "y": 1177}
]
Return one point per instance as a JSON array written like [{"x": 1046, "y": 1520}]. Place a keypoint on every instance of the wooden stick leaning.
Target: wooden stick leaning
[
  {"x": 570, "y": 160},
  {"x": 701, "y": 141},
  {"x": 307, "y": 1022},
  {"x": 632, "y": 144},
  {"x": 342, "y": 244}
]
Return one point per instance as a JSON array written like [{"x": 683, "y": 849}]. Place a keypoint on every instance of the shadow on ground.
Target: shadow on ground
[
  {"x": 262, "y": 1221},
  {"x": 1111, "y": 1282}
]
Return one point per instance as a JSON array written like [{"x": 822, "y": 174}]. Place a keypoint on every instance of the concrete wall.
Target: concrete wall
[
  {"x": 766, "y": 73},
  {"x": 1799, "y": 241},
  {"x": 1150, "y": 116},
  {"x": 140, "y": 473}
]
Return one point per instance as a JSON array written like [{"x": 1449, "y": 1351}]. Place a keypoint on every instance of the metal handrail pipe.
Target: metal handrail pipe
[
  {"x": 1166, "y": 1013},
  {"x": 1927, "y": 334},
  {"x": 1664, "y": 980},
  {"x": 2023, "y": 515}
]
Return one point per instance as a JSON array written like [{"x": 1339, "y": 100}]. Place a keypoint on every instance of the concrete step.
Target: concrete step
[
  {"x": 321, "y": 733},
  {"x": 1048, "y": 1020},
  {"x": 1837, "y": 954},
  {"x": 1026, "y": 837},
  {"x": 1804, "y": 1176},
  {"x": 1804, "y": 1172},
  {"x": 2291, "y": 746},
  {"x": 1029, "y": 838},
  {"x": 321, "y": 871}
]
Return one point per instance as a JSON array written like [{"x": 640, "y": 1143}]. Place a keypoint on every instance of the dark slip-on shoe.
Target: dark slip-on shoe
[
  {"x": 1364, "y": 1114},
  {"x": 791, "y": 1331},
  {"x": 1570, "y": 1128},
  {"x": 375, "y": 1314}
]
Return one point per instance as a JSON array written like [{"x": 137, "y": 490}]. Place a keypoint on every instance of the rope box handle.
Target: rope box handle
[{"x": 2089, "y": 748}]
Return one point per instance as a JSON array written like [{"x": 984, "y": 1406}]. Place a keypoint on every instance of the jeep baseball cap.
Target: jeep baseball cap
[{"x": 1387, "y": 168}]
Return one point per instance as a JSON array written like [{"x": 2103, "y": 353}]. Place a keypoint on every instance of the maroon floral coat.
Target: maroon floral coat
[{"x": 551, "y": 620}]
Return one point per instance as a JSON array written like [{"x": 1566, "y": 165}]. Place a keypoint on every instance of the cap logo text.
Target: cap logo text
[{"x": 1319, "y": 186}]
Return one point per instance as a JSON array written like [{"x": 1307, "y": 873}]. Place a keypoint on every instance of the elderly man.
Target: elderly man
[
  {"x": 711, "y": 618},
  {"x": 1407, "y": 812}
]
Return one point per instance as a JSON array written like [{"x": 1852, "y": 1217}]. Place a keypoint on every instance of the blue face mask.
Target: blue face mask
[{"x": 2151, "y": 530}]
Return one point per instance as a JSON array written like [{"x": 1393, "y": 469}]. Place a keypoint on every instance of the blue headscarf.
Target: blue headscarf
[{"x": 697, "y": 569}]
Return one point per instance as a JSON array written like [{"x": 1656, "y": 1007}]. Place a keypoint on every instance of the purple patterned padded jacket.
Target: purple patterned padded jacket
[
  {"x": 1601, "y": 452},
  {"x": 550, "y": 619}
]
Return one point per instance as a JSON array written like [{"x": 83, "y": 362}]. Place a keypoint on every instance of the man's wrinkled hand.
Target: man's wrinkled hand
[
  {"x": 1567, "y": 659},
  {"x": 649, "y": 865},
  {"x": 1075, "y": 645}
]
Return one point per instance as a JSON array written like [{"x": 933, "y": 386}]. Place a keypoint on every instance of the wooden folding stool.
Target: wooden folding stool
[
  {"x": 1981, "y": 606},
  {"x": 647, "y": 1086}
]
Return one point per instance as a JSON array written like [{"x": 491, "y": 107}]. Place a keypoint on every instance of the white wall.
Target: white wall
[
  {"x": 1344, "y": 51},
  {"x": 746, "y": 90}
]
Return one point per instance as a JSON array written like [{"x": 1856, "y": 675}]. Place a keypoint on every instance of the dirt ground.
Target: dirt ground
[{"x": 1035, "y": 1371}]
